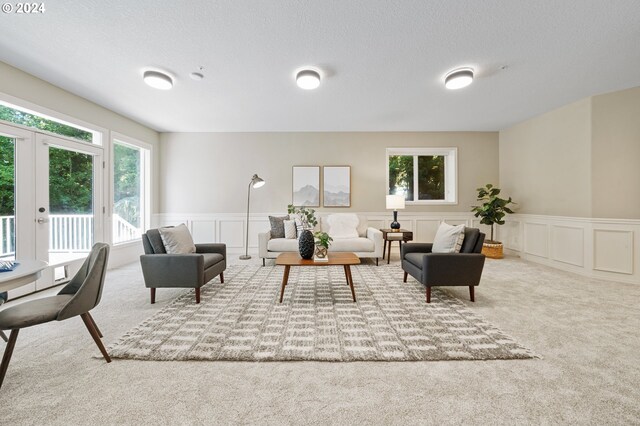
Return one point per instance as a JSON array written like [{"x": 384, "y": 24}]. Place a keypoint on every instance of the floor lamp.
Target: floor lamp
[{"x": 256, "y": 182}]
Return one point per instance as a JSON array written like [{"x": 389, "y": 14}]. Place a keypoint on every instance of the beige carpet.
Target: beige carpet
[
  {"x": 241, "y": 320},
  {"x": 586, "y": 331}
]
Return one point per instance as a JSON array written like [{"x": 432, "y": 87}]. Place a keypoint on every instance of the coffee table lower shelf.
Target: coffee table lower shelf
[{"x": 344, "y": 259}]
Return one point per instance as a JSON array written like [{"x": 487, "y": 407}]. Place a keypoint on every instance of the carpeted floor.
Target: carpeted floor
[
  {"x": 241, "y": 320},
  {"x": 585, "y": 330}
]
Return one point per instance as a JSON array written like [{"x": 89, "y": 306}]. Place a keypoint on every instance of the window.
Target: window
[
  {"x": 130, "y": 190},
  {"x": 423, "y": 175},
  {"x": 27, "y": 118}
]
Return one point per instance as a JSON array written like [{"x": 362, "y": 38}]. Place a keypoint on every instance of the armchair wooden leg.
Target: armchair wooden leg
[
  {"x": 428, "y": 294},
  {"x": 8, "y": 351},
  {"x": 405, "y": 276},
  {"x": 198, "y": 295},
  {"x": 376, "y": 261},
  {"x": 473, "y": 299},
  {"x": 4, "y": 336},
  {"x": 88, "y": 322},
  {"x": 263, "y": 263},
  {"x": 153, "y": 295},
  {"x": 96, "y": 326},
  {"x": 222, "y": 277}
]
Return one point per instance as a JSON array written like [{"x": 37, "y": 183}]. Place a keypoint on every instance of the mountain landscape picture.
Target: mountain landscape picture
[
  {"x": 337, "y": 186},
  {"x": 306, "y": 186}
]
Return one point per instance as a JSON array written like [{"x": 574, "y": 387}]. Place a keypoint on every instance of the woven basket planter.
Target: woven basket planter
[{"x": 493, "y": 251}]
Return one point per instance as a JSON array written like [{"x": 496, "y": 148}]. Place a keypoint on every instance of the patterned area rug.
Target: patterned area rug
[{"x": 241, "y": 320}]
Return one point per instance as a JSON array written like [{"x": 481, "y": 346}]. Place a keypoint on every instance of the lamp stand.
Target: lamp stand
[
  {"x": 246, "y": 256},
  {"x": 395, "y": 225}
]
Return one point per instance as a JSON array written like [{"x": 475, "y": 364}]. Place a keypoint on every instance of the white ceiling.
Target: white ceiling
[{"x": 383, "y": 60}]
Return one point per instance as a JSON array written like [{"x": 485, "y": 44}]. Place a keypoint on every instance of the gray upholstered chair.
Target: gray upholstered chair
[
  {"x": 191, "y": 270},
  {"x": 77, "y": 298},
  {"x": 3, "y": 298},
  {"x": 446, "y": 269}
]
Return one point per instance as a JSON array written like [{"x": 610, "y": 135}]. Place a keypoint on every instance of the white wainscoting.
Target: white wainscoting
[{"x": 602, "y": 248}]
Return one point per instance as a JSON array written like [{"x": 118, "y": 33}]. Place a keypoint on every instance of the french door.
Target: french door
[{"x": 57, "y": 197}]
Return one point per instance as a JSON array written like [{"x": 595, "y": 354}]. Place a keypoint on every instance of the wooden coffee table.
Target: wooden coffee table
[{"x": 335, "y": 258}]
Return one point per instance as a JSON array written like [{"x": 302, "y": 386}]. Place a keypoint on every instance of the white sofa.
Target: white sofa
[{"x": 369, "y": 242}]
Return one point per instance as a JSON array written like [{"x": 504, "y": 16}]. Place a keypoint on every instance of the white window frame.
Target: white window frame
[
  {"x": 146, "y": 151},
  {"x": 450, "y": 178},
  {"x": 99, "y": 133}
]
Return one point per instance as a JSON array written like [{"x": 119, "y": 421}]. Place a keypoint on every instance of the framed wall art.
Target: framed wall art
[
  {"x": 336, "y": 186},
  {"x": 306, "y": 186}
]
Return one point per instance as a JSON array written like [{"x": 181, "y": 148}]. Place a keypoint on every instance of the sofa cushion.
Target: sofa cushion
[
  {"x": 211, "y": 259},
  {"x": 353, "y": 244},
  {"x": 470, "y": 239},
  {"x": 415, "y": 259},
  {"x": 282, "y": 244},
  {"x": 277, "y": 226},
  {"x": 290, "y": 229},
  {"x": 343, "y": 226},
  {"x": 177, "y": 240},
  {"x": 448, "y": 239}
]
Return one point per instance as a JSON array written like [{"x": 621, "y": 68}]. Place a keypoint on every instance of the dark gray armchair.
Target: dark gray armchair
[
  {"x": 446, "y": 269},
  {"x": 77, "y": 298},
  {"x": 191, "y": 270}
]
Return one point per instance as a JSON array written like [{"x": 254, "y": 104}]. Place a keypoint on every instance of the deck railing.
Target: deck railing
[{"x": 67, "y": 233}]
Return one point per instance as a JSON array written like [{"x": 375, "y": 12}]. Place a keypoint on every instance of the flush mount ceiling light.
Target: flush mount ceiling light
[
  {"x": 158, "y": 80},
  {"x": 308, "y": 79},
  {"x": 458, "y": 78}
]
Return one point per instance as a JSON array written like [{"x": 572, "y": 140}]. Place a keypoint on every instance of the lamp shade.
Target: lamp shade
[
  {"x": 395, "y": 202},
  {"x": 257, "y": 181}
]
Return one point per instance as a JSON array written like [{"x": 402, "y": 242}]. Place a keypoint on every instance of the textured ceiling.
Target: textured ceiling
[{"x": 383, "y": 61}]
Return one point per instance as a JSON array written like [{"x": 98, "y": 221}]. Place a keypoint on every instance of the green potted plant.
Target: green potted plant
[
  {"x": 307, "y": 216},
  {"x": 492, "y": 211},
  {"x": 323, "y": 241}
]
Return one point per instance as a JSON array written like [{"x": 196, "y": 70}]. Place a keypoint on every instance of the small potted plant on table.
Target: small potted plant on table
[
  {"x": 323, "y": 241},
  {"x": 492, "y": 211}
]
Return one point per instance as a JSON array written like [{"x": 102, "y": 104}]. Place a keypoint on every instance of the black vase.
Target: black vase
[{"x": 306, "y": 244}]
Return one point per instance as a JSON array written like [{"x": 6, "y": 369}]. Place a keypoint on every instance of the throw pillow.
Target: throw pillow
[
  {"x": 277, "y": 226},
  {"x": 177, "y": 240},
  {"x": 290, "y": 229},
  {"x": 343, "y": 226},
  {"x": 448, "y": 239}
]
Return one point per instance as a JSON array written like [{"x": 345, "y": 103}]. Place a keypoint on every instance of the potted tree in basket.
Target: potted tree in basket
[{"x": 492, "y": 211}]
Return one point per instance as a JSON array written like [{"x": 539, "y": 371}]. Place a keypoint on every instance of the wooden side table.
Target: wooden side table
[{"x": 390, "y": 235}]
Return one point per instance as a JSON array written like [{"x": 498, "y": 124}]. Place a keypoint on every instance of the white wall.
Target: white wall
[
  {"x": 205, "y": 173},
  {"x": 616, "y": 154},
  {"x": 574, "y": 172},
  {"x": 545, "y": 162}
]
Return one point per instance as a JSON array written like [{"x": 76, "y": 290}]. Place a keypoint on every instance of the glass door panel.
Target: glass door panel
[
  {"x": 71, "y": 215},
  {"x": 7, "y": 198},
  {"x": 67, "y": 197}
]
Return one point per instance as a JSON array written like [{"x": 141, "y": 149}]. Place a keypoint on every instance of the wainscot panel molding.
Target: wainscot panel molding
[{"x": 601, "y": 248}]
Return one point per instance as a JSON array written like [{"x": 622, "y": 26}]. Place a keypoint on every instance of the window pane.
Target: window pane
[
  {"x": 30, "y": 120},
  {"x": 401, "y": 175},
  {"x": 70, "y": 205},
  {"x": 127, "y": 197},
  {"x": 7, "y": 199},
  {"x": 431, "y": 177}
]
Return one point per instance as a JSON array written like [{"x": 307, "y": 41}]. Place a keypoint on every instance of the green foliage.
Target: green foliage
[
  {"x": 431, "y": 177},
  {"x": 7, "y": 177},
  {"x": 70, "y": 182},
  {"x": 401, "y": 175},
  {"x": 322, "y": 239},
  {"x": 308, "y": 216},
  {"x": 30, "y": 120},
  {"x": 126, "y": 183},
  {"x": 493, "y": 208}
]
